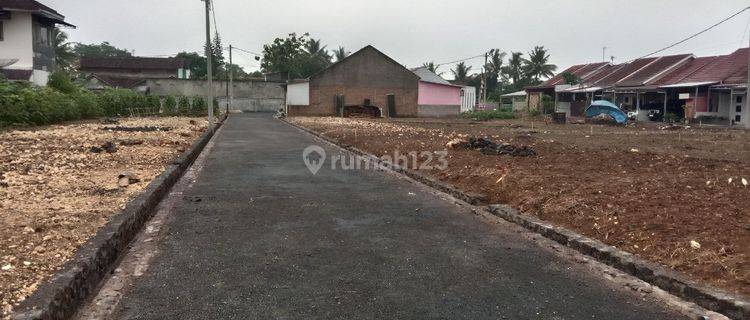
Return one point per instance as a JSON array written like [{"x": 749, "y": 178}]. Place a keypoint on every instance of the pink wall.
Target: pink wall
[{"x": 438, "y": 94}]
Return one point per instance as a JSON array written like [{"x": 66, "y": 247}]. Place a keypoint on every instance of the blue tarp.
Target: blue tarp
[{"x": 605, "y": 107}]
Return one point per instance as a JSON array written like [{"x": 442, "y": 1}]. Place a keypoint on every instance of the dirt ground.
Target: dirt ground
[
  {"x": 672, "y": 196},
  {"x": 56, "y": 191}
]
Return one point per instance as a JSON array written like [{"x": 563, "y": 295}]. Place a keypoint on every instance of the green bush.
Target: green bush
[
  {"x": 170, "y": 106},
  {"x": 199, "y": 106},
  {"x": 120, "y": 102},
  {"x": 61, "y": 81},
  {"x": 484, "y": 115},
  {"x": 153, "y": 105},
  {"x": 183, "y": 106}
]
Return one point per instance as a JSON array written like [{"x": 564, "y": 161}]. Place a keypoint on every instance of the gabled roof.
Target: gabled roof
[
  {"x": 655, "y": 69},
  {"x": 582, "y": 71},
  {"x": 360, "y": 51},
  {"x": 428, "y": 76},
  {"x": 132, "y": 63},
  {"x": 35, "y": 8},
  {"x": 119, "y": 82}
]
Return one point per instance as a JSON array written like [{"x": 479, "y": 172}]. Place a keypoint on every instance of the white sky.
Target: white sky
[{"x": 416, "y": 31}]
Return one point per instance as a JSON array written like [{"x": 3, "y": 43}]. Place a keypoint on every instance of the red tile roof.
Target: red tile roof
[
  {"x": 16, "y": 74},
  {"x": 731, "y": 68},
  {"x": 656, "y": 68},
  {"x": 120, "y": 82},
  {"x": 624, "y": 71},
  {"x": 131, "y": 63}
]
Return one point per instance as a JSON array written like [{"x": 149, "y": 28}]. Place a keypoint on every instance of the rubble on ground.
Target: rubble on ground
[
  {"x": 59, "y": 184},
  {"x": 488, "y": 147}
]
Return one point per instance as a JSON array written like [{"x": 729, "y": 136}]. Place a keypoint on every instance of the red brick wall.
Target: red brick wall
[{"x": 366, "y": 74}]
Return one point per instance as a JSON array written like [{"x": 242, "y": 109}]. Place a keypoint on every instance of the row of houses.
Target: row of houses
[
  {"x": 707, "y": 89},
  {"x": 370, "y": 82}
]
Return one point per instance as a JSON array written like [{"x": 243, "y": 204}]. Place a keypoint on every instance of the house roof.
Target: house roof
[
  {"x": 428, "y": 76},
  {"x": 17, "y": 74},
  {"x": 119, "y": 82},
  {"x": 360, "y": 51},
  {"x": 655, "y": 69},
  {"x": 36, "y": 8},
  {"x": 132, "y": 63},
  {"x": 514, "y": 94}
]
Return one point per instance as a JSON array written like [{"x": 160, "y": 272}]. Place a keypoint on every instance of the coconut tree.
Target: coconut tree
[
  {"x": 65, "y": 58},
  {"x": 538, "y": 66},
  {"x": 340, "y": 54},
  {"x": 432, "y": 67},
  {"x": 514, "y": 69},
  {"x": 461, "y": 73}
]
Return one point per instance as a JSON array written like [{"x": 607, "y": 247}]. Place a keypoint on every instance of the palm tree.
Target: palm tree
[
  {"x": 461, "y": 73},
  {"x": 432, "y": 67},
  {"x": 495, "y": 65},
  {"x": 340, "y": 54},
  {"x": 537, "y": 66},
  {"x": 514, "y": 70},
  {"x": 64, "y": 55},
  {"x": 316, "y": 49}
]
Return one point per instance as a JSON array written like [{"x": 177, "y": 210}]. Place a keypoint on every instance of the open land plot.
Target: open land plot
[
  {"x": 59, "y": 185},
  {"x": 672, "y": 196}
]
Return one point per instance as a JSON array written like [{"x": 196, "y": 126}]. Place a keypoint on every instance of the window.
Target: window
[
  {"x": 739, "y": 99},
  {"x": 1, "y": 31},
  {"x": 44, "y": 36}
]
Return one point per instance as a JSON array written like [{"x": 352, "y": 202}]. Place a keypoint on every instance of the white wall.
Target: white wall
[
  {"x": 468, "y": 99},
  {"x": 17, "y": 41},
  {"x": 298, "y": 94}
]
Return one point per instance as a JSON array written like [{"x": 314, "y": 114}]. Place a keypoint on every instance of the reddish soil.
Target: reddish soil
[{"x": 655, "y": 193}]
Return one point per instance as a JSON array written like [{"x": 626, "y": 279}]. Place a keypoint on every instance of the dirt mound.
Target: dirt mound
[{"x": 488, "y": 147}]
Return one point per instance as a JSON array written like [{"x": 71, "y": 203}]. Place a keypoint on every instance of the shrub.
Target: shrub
[
  {"x": 153, "y": 105},
  {"x": 199, "y": 106},
  {"x": 87, "y": 104},
  {"x": 120, "y": 102},
  {"x": 170, "y": 106},
  {"x": 60, "y": 81},
  {"x": 183, "y": 106},
  {"x": 483, "y": 115}
]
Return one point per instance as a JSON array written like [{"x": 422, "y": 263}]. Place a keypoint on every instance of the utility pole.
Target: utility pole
[
  {"x": 231, "y": 80},
  {"x": 209, "y": 66},
  {"x": 604, "y": 54},
  {"x": 747, "y": 95},
  {"x": 484, "y": 78}
]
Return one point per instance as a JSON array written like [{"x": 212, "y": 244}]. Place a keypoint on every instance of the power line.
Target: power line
[
  {"x": 692, "y": 36},
  {"x": 247, "y": 51},
  {"x": 462, "y": 60}
]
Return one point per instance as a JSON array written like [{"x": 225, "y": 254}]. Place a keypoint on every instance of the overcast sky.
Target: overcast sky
[{"x": 416, "y": 31}]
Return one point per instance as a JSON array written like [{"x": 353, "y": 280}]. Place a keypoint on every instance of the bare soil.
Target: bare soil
[
  {"x": 675, "y": 197},
  {"x": 57, "y": 189}
]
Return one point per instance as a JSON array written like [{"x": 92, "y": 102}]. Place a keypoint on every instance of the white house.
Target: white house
[{"x": 26, "y": 41}]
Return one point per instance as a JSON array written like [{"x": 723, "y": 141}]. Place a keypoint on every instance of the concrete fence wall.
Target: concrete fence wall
[{"x": 251, "y": 96}]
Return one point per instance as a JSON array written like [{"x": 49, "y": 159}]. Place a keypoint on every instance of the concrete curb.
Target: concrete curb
[
  {"x": 730, "y": 305},
  {"x": 713, "y": 299},
  {"x": 471, "y": 198},
  {"x": 79, "y": 278}
]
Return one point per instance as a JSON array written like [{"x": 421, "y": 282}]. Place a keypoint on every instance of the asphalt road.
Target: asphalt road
[{"x": 257, "y": 236}]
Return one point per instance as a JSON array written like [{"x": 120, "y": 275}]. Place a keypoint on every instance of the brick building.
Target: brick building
[{"x": 366, "y": 80}]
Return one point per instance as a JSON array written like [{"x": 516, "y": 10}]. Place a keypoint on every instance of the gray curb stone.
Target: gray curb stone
[
  {"x": 79, "y": 278},
  {"x": 730, "y": 305},
  {"x": 733, "y": 306}
]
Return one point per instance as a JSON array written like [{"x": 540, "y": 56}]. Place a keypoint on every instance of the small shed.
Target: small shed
[
  {"x": 437, "y": 97},
  {"x": 515, "y": 100}
]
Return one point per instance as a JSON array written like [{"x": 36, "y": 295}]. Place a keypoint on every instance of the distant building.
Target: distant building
[
  {"x": 367, "y": 81},
  {"x": 712, "y": 89},
  {"x": 27, "y": 41},
  {"x": 130, "y": 72},
  {"x": 437, "y": 97}
]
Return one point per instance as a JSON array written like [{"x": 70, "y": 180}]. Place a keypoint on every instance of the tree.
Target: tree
[
  {"x": 538, "y": 66},
  {"x": 514, "y": 70},
  {"x": 316, "y": 48},
  {"x": 432, "y": 67},
  {"x": 461, "y": 72},
  {"x": 340, "y": 54},
  {"x": 291, "y": 56},
  {"x": 100, "y": 50},
  {"x": 217, "y": 57},
  {"x": 571, "y": 78},
  {"x": 196, "y": 63},
  {"x": 494, "y": 68},
  {"x": 65, "y": 58}
]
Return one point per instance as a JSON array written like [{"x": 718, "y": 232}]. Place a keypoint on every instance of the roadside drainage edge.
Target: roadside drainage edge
[
  {"x": 59, "y": 297},
  {"x": 470, "y": 198},
  {"x": 730, "y": 305}
]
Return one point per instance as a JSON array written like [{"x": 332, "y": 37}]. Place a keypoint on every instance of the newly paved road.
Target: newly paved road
[{"x": 259, "y": 237}]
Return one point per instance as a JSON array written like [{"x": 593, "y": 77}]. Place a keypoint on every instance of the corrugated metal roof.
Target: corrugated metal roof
[
  {"x": 131, "y": 63},
  {"x": 428, "y": 76},
  {"x": 624, "y": 71},
  {"x": 688, "y": 84},
  {"x": 515, "y": 94}
]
